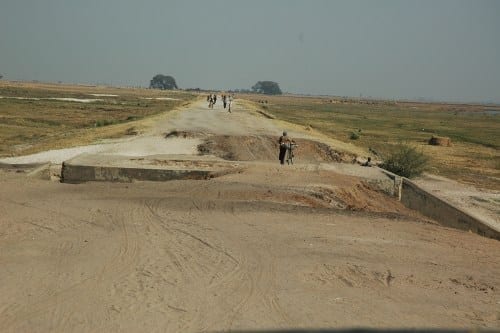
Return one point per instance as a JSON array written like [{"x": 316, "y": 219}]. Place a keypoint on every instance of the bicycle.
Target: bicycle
[{"x": 290, "y": 147}]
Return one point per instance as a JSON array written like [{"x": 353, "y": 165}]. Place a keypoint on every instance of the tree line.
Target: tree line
[{"x": 167, "y": 82}]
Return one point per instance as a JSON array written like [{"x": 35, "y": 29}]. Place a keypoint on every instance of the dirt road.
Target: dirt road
[
  {"x": 198, "y": 123},
  {"x": 270, "y": 247}
]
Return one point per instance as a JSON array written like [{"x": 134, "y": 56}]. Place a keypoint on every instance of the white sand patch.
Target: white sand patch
[
  {"x": 26, "y": 98},
  {"x": 103, "y": 95},
  {"x": 138, "y": 146},
  {"x": 79, "y": 100},
  {"x": 53, "y": 156},
  {"x": 64, "y": 99},
  {"x": 153, "y": 145}
]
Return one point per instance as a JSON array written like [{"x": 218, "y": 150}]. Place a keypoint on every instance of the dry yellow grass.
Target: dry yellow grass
[
  {"x": 473, "y": 157},
  {"x": 29, "y": 126},
  {"x": 36, "y": 123}
]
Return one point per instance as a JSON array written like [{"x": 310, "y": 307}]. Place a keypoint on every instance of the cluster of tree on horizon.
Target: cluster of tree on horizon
[
  {"x": 167, "y": 82},
  {"x": 267, "y": 88},
  {"x": 163, "y": 82}
]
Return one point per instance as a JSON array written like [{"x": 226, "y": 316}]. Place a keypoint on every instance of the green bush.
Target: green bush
[
  {"x": 406, "y": 161},
  {"x": 354, "y": 136},
  {"x": 105, "y": 122}
]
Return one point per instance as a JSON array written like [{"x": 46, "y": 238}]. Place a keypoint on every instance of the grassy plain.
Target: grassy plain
[
  {"x": 36, "y": 123},
  {"x": 30, "y": 121},
  {"x": 473, "y": 158}
]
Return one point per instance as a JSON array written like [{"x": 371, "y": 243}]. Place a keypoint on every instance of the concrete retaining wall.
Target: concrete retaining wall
[
  {"x": 414, "y": 197},
  {"x": 81, "y": 173}
]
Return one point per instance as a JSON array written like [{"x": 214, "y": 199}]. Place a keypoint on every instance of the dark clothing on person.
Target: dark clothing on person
[
  {"x": 283, "y": 142},
  {"x": 368, "y": 162},
  {"x": 282, "y": 154}
]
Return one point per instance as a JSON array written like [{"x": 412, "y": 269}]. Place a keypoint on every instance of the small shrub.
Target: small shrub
[
  {"x": 105, "y": 122},
  {"x": 406, "y": 161},
  {"x": 354, "y": 136}
]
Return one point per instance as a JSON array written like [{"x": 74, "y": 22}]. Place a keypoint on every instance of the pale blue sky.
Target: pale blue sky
[{"x": 446, "y": 50}]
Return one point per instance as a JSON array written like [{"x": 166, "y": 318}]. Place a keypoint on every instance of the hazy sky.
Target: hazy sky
[{"x": 447, "y": 50}]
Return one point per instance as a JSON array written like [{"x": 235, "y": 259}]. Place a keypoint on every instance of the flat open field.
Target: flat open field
[
  {"x": 310, "y": 245},
  {"x": 473, "y": 158},
  {"x": 243, "y": 251},
  {"x": 36, "y": 117}
]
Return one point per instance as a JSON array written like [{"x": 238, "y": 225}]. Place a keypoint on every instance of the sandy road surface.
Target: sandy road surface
[
  {"x": 232, "y": 253},
  {"x": 201, "y": 119},
  {"x": 270, "y": 247},
  {"x": 246, "y": 135},
  {"x": 197, "y": 119}
]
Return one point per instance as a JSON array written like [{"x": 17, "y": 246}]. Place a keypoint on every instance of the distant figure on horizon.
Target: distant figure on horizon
[
  {"x": 230, "y": 101},
  {"x": 224, "y": 100},
  {"x": 211, "y": 100}
]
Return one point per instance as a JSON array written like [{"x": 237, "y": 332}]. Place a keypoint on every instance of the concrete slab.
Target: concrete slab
[
  {"x": 445, "y": 211},
  {"x": 117, "y": 168},
  {"x": 415, "y": 197}
]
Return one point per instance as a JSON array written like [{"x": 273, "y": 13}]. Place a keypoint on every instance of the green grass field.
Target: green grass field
[{"x": 474, "y": 130}]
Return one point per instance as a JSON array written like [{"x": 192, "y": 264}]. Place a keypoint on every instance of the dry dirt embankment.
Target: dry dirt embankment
[{"x": 310, "y": 245}]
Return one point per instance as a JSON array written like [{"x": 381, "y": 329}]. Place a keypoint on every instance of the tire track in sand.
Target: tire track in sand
[
  {"x": 196, "y": 261},
  {"x": 60, "y": 303}
]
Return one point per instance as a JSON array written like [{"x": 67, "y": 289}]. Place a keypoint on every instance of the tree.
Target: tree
[
  {"x": 1, "y": 76},
  {"x": 267, "y": 87},
  {"x": 164, "y": 82}
]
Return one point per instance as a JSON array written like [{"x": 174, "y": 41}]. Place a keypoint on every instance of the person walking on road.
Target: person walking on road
[
  {"x": 284, "y": 141},
  {"x": 230, "y": 101},
  {"x": 210, "y": 100},
  {"x": 224, "y": 101}
]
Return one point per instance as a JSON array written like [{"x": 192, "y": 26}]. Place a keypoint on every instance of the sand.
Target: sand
[
  {"x": 269, "y": 248},
  {"x": 64, "y": 99}
]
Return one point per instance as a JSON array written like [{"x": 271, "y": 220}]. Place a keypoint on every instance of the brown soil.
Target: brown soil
[
  {"x": 243, "y": 251},
  {"x": 269, "y": 247},
  {"x": 265, "y": 147}
]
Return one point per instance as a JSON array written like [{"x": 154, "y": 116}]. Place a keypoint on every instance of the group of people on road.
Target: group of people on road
[
  {"x": 285, "y": 142},
  {"x": 227, "y": 100},
  {"x": 211, "y": 99}
]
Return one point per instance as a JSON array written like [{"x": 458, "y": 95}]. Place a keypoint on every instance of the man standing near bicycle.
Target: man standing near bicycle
[{"x": 284, "y": 142}]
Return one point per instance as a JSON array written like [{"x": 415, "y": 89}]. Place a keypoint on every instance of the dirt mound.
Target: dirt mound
[
  {"x": 180, "y": 134},
  {"x": 364, "y": 197},
  {"x": 265, "y": 148},
  {"x": 440, "y": 141}
]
